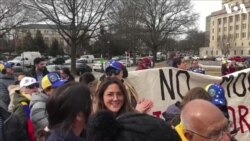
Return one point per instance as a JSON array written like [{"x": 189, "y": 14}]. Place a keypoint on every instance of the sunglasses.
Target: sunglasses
[
  {"x": 33, "y": 86},
  {"x": 111, "y": 72}
]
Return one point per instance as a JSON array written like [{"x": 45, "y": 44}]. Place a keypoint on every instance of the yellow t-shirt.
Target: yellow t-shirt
[{"x": 180, "y": 130}]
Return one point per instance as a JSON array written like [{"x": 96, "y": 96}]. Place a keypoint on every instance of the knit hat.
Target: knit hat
[
  {"x": 51, "y": 80},
  {"x": 27, "y": 81},
  {"x": 217, "y": 93},
  {"x": 129, "y": 127},
  {"x": 145, "y": 60}
]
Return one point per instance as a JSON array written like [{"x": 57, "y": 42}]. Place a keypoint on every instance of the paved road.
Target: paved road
[{"x": 98, "y": 74}]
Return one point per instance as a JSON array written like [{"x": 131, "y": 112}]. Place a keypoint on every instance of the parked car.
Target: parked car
[
  {"x": 98, "y": 66},
  {"x": 125, "y": 62},
  {"x": 237, "y": 59},
  {"x": 80, "y": 67},
  {"x": 87, "y": 58}
]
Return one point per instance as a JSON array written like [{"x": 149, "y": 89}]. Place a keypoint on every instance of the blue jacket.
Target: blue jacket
[
  {"x": 61, "y": 135},
  {"x": 5, "y": 81}
]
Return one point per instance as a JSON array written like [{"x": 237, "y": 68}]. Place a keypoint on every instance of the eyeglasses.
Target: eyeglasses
[
  {"x": 33, "y": 86},
  {"x": 216, "y": 136},
  {"x": 111, "y": 72}
]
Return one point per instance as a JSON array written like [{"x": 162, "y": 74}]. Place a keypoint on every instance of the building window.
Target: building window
[
  {"x": 231, "y": 19},
  {"x": 242, "y": 44},
  {"x": 212, "y": 37},
  {"x": 218, "y": 38},
  {"x": 219, "y": 21},
  {"x": 207, "y": 52},
  {"x": 212, "y": 30},
  {"x": 243, "y": 34},
  {"x": 235, "y": 44},
  {"x": 225, "y": 28},
  {"x": 244, "y": 26},
  {"x": 241, "y": 52},
  {"x": 211, "y": 52},
  {"x": 213, "y": 22},
  {"x": 244, "y": 17},
  {"x": 224, "y": 20},
  {"x": 216, "y": 52},
  {"x": 237, "y": 27},
  {"x": 219, "y": 30},
  {"x": 236, "y": 35},
  {"x": 234, "y": 52},
  {"x": 237, "y": 18},
  {"x": 230, "y": 28}
]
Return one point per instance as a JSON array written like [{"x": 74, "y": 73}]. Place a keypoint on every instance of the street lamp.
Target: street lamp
[{"x": 227, "y": 49}]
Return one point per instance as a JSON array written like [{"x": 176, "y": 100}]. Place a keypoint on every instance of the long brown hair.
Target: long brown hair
[{"x": 102, "y": 88}]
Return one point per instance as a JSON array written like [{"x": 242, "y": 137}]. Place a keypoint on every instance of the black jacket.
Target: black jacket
[{"x": 12, "y": 129}]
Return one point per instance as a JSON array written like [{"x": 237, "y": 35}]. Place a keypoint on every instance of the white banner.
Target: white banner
[{"x": 165, "y": 86}]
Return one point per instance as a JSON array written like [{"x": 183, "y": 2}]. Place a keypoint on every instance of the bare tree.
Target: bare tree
[
  {"x": 164, "y": 18},
  {"x": 76, "y": 20},
  {"x": 12, "y": 14},
  {"x": 225, "y": 43},
  {"x": 124, "y": 16}
]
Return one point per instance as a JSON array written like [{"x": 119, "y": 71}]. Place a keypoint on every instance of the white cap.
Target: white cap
[{"x": 27, "y": 81}]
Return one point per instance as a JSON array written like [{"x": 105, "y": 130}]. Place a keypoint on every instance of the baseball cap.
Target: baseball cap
[
  {"x": 217, "y": 93},
  {"x": 114, "y": 64},
  {"x": 6, "y": 65},
  {"x": 27, "y": 81},
  {"x": 51, "y": 80}
]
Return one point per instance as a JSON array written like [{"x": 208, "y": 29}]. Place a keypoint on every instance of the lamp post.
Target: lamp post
[{"x": 227, "y": 49}]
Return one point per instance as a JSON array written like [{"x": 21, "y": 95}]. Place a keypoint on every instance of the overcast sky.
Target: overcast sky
[{"x": 204, "y": 8}]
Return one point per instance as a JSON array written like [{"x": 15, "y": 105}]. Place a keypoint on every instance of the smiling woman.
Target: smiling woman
[{"x": 112, "y": 96}]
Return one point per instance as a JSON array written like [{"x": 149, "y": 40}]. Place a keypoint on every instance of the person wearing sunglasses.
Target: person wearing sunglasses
[
  {"x": 38, "y": 114},
  {"x": 203, "y": 121},
  {"x": 22, "y": 97}
]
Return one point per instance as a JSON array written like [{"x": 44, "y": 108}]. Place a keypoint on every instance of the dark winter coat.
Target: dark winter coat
[
  {"x": 5, "y": 81},
  {"x": 12, "y": 128},
  {"x": 61, "y": 135}
]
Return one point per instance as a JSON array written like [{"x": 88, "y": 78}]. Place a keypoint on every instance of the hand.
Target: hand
[{"x": 144, "y": 106}]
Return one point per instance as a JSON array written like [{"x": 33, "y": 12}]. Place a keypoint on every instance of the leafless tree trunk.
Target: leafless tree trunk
[
  {"x": 164, "y": 18},
  {"x": 75, "y": 19},
  {"x": 225, "y": 43},
  {"x": 12, "y": 14}
]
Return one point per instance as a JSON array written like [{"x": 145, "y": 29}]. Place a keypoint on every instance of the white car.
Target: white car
[
  {"x": 125, "y": 62},
  {"x": 196, "y": 57},
  {"x": 98, "y": 66}
]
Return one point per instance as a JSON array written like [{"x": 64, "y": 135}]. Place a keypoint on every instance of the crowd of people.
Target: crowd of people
[{"x": 52, "y": 106}]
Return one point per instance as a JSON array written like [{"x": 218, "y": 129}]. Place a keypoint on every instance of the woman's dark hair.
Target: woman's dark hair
[
  {"x": 67, "y": 71},
  {"x": 102, "y": 88},
  {"x": 177, "y": 61},
  {"x": 38, "y": 60},
  {"x": 87, "y": 77},
  {"x": 66, "y": 102}
]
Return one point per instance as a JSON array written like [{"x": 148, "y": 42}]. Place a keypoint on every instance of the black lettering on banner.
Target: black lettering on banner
[
  {"x": 179, "y": 72},
  {"x": 226, "y": 79},
  {"x": 169, "y": 88},
  {"x": 243, "y": 85}
]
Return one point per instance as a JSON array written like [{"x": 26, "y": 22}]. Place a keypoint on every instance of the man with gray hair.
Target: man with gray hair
[{"x": 202, "y": 121}]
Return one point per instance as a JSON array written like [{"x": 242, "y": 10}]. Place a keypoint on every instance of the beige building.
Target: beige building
[
  {"x": 229, "y": 30},
  {"x": 48, "y": 31}
]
